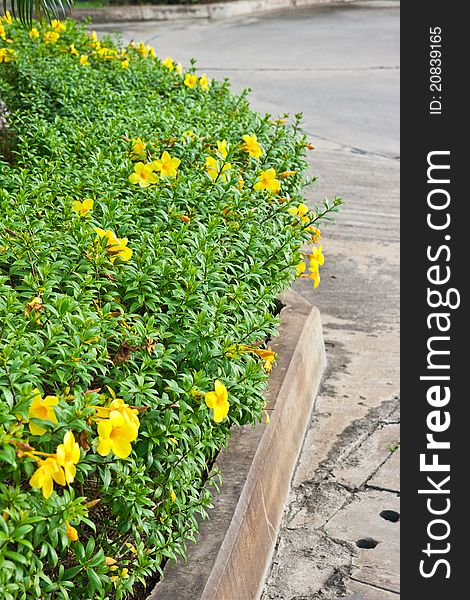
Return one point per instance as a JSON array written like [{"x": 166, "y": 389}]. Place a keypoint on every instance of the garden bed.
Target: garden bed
[
  {"x": 148, "y": 222},
  {"x": 235, "y": 545}
]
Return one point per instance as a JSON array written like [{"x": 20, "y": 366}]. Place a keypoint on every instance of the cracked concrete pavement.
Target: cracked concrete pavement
[{"x": 339, "y": 65}]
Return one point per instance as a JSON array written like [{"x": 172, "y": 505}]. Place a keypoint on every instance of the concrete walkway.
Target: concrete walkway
[{"x": 340, "y": 67}]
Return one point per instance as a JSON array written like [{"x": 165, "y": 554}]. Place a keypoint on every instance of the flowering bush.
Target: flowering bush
[{"x": 148, "y": 220}]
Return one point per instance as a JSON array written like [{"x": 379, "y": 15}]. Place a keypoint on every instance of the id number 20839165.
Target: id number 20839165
[{"x": 435, "y": 70}]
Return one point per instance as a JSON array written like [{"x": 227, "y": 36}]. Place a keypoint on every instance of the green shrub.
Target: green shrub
[{"x": 143, "y": 242}]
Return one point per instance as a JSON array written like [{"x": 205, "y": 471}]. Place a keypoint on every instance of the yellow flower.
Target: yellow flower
[
  {"x": 188, "y": 134},
  {"x": 173, "y": 496},
  {"x": 222, "y": 147},
  {"x": 45, "y": 475},
  {"x": 168, "y": 63},
  {"x": 267, "y": 181},
  {"x": 3, "y": 34},
  {"x": 285, "y": 174},
  {"x": 301, "y": 268},
  {"x": 266, "y": 354},
  {"x": 51, "y": 37},
  {"x": 68, "y": 455},
  {"x": 143, "y": 175},
  {"x": 316, "y": 259},
  {"x": 314, "y": 273},
  {"x": 144, "y": 50},
  {"x": 179, "y": 68},
  {"x": 84, "y": 60},
  {"x": 213, "y": 168},
  {"x": 301, "y": 212},
  {"x": 252, "y": 146},
  {"x": 125, "y": 63},
  {"x": 82, "y": 208},
  {"x": 166, "y": 165},
  {"x": 116, "y": 247},
  {"x": 317, "y": 255},
  {"x": 42, "y": 410},
  {"x": 58, "y": 26},
  {"x": 71, "y": 532},
  {"x": 73, "y": 51},
  {"x": 138, "y": 149},
  {"x": 316, "y": 234},
  {"x": 109, "y": 560},
  {"x": 190, "y": 80},
  {"x": 35, "y": 304},
  {"x": 218, "y": 401},
  {"x": 118, "y": 430},
  {"x": 6, "y": 55},
  {"x": 204, "y": 82},
  {"x": 34, "y": 33},
  {"x": 7, "y": 18}
]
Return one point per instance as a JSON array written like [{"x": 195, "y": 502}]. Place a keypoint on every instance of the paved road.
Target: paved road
[{"x": 340, "y": 67}]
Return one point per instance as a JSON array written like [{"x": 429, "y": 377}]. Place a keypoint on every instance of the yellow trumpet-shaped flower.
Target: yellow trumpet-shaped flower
[
  {"x": 125, "y": 63},
  {"x": 204, "y": 82},
  {"x": 143, "y": 175},
  {"x": 316, "y": 234},
  {"x": 179, "y": 68},
  {"x": 301, "y": 268},
  {"x": 3, "y": 34},
  {"x": 301, "y": 212},
  {"x": 6, "y": 55},
  {"x": 267, "y": 354},
  {"x": 68, "y": 455},
  {"x": 190, "y": 80},
  {"x": 285, "y": 174},
  {"x": 34, "y": 33},
  {"x": 316, "y": 259},
  {"x": 7, "y": 18},
  {"x": 71, "y": 532},
  {"x": 268, "y": 357},
  {"x": 267, "y": 181},
  {"x": 118, "y": 430},
  {"x": 168, "y": 63},
  {"x": 58, "y": 26},
  {"x": 51, "y": 37},
  {"x": 145, "y": 50},
  {"x": 222, "y": 147},
  {"x": 35, "y": 304},
  {"x": 115, "y": 247},
  {"x": 138, "y": 149},
  {"x": 215, "y": 170},
  {"x": 82, "y": 208},
  {"x": 317, "y": 255},
  {"x": 84, "y": 60},
  {"x": 314, "y": 273},
  {"x": 42, "y": 410},
  {"x": 252, "y": 146},
  {"x": 218, "y": 401},
  {"x": 166, "y": 165},
  {"x": 45, "y": 475}
]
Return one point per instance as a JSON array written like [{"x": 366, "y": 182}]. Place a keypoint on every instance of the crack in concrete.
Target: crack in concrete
[
  {"x": 353, "y": 149},
  {"x": 382, "y": 489},
  {"x": 375, "y": 586}
]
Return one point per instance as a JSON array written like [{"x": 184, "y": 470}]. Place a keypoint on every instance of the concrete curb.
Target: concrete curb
[
  {"x": 236, "y": 544},
  {"x": 215, "y": 11}
]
